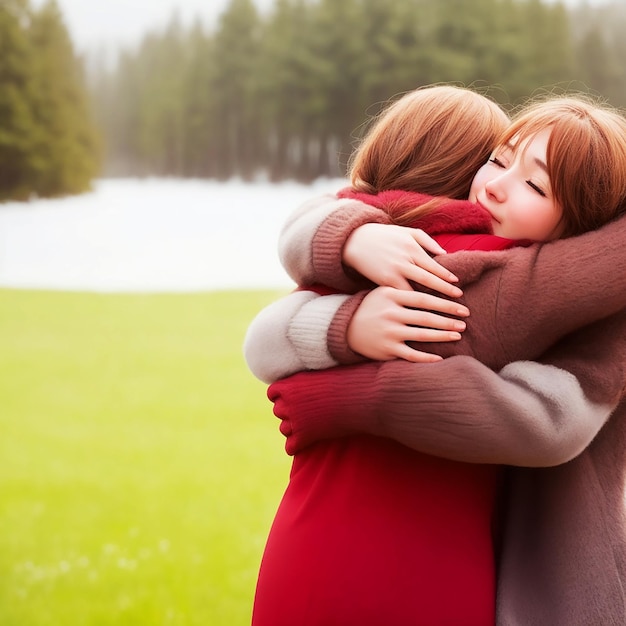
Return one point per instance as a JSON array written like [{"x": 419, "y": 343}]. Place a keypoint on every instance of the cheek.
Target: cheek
[
  {"x": 479, "y": 181},
  {"x": 544, "y": 221},
  {"x": 558, "y": 227},
  {"x": 551, "y": 215}
]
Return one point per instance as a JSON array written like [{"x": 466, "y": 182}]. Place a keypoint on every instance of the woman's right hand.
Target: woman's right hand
[
  {"x": 390, "y": 255},
  {"x": 388, "y": 317}
]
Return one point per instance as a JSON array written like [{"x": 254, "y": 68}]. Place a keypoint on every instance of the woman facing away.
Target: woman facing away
[{"x": 429, "y": 519}]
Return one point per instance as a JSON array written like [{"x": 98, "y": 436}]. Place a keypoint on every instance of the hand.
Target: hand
[
  {"x": 392, "y": 255},
  {"x": 389, "y": 317}
]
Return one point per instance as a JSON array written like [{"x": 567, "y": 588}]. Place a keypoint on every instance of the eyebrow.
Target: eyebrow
[{"x": 542, "y": 164}]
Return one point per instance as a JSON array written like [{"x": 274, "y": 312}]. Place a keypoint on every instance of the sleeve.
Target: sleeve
[
  {"x": 529, "y": 414},
  {"x": 289, "y": 335},
  {"x": 523, "y": 300},
  {"x": 311, "y": 242}
]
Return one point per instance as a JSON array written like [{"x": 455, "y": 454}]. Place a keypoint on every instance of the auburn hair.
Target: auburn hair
[
  {"x": 431, "y": 140},
  {"x": 586, "y": 157}
]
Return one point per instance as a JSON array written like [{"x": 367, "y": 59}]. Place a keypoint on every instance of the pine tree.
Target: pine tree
[
  {"x": 17, "y": 119},
  {"x": 287, "y": 99},
  {"x": 163, "y": 68},
  {"x": 123, "y": 123},
  {"x": 548, "y": 50},
  {"x": 595, "y": 65},
  {"x": 67, "y": 147},
  {"x": 336, "y": 80},
  {"x": 235, "y": 87},
  {"x": 199, "y": 120}
]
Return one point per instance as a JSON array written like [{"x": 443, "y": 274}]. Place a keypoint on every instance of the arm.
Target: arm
[
  {"x": 331, "y": 220},
  {"x": 339, "y": 242},
  {"x": 543, "y": 292},
  {"x": 522, "y": 300},
  {"x": 530, "y": 414},
  {"x": 289, "y": 335}
]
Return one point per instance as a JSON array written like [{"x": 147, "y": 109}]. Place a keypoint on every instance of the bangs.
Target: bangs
[
  {"x": 523, "y": 129},
  {"x": 585, "y": 157}
]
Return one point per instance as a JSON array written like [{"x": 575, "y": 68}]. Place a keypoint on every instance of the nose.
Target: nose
[{"x": 496, "y": 188}]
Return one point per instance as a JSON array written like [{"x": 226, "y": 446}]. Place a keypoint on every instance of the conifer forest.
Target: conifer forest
[{"x": 282, "y": 94}]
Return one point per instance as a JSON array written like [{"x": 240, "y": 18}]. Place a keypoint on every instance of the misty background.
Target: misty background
[{"x": 271, "y": 91}]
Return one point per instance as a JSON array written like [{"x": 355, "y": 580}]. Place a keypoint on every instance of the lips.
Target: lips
[
  {"x": 484, "y": 208},
  {"x": 495, "y": 221}
]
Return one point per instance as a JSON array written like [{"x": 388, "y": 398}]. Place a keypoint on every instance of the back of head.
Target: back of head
[
  {"x": 586, "y": 157},
  {"x": 432, "y": 140}
]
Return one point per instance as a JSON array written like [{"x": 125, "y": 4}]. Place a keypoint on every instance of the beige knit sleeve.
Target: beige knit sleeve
[{"x": 289, "y": 335}]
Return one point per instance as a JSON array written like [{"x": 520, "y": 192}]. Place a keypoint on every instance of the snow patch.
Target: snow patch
[{"x": 152, "y": 235}]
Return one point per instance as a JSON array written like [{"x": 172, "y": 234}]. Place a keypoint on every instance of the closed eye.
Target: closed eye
[
  {"x": 539, "y": 190},
  {"x": 496, "y": 161}
]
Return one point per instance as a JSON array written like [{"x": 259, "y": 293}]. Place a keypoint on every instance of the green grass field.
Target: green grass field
[{"x": 140, "y": 463}]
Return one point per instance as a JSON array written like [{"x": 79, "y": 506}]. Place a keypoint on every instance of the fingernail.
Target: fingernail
[
  {"x": 460, "y": 325},
  {"x": 453, "y": 278},
  {"x": 464, "y": 311},
  {"x": 455, "y": 336},
  {"x": 456, "y": 292}
]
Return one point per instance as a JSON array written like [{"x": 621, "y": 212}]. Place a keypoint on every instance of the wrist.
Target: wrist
[
  {"x": 337, "y": 337},
  {"x": 330, "y": 241}
]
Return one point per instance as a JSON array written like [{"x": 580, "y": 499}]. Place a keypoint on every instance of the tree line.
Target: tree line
[
  {"x": 283, "y": 94},
  {"x": 49, "y": 143}
]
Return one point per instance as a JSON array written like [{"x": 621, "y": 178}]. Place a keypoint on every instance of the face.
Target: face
[{"x": 514, "y": 187}]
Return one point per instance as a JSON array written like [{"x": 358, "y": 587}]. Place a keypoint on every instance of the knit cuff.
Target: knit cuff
[
  {"x": 296, "y": 237},
  {"x": 315, "y": 406},
  {"x": 329, "y": 241},
  {"x": 337, "y": 337}
]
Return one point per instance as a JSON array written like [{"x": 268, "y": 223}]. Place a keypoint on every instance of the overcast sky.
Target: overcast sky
[{"x": 113, "y": 22}]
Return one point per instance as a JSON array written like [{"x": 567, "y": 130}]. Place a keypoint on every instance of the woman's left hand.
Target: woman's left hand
[{"x": 387, "y": 318}]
